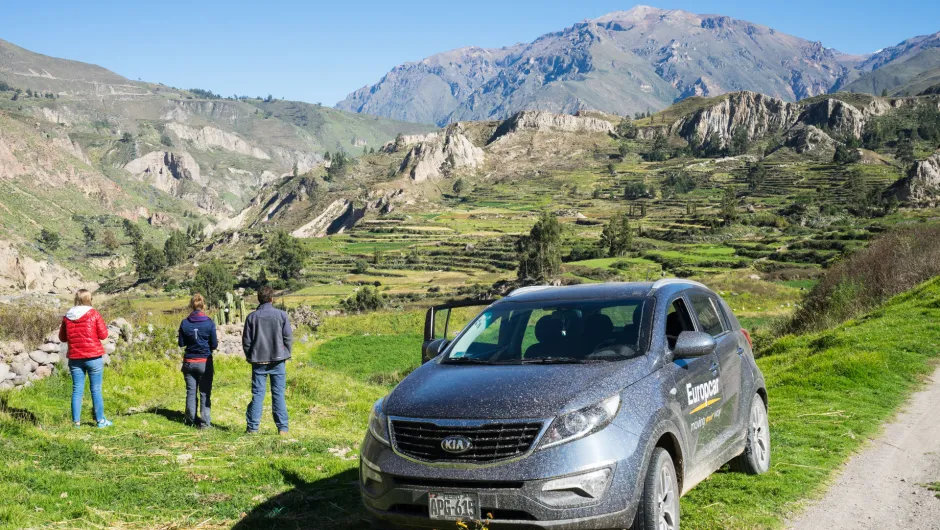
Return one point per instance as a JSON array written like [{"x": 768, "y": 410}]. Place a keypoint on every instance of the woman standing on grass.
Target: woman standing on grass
[
  {"x": 197, "y": 335},
  {"x": 83, "y": 329}
]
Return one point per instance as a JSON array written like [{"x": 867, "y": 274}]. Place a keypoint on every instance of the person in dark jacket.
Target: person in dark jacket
[
  {"x": 83, "y": 329},
  {"x": 266, "y": 341},
  {"x": 197, "y": 334}
]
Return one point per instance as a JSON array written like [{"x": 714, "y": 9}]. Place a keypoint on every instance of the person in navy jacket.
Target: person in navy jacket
[{"x": 197, "y": 335}]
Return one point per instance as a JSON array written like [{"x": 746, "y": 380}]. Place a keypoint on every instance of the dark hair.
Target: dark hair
[{"x": 265, "y": 294}]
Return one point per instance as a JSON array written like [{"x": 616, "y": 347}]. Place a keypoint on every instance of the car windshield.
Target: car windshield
[{"x": 554, "y": 333}]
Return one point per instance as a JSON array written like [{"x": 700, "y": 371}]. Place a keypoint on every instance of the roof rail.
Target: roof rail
[
  {"x": 674, "y": 281},
  {"x": 529, "y": 289}
]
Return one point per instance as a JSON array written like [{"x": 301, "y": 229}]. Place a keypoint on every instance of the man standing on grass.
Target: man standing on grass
[{"x": 266, "y": 340}]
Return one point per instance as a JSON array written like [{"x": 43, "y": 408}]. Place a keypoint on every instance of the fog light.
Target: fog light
[
  {"x": 576, "y": 488},
  {"x": 370, "y": 471}
]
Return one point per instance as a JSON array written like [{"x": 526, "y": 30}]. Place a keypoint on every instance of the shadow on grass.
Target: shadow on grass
[
  {"x": 17, "y": 413},
  {"x": 178, "y": 417},
  {"x": 329, "y": 504}
]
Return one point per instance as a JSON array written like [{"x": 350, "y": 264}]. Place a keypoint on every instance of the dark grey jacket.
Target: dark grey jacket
[{"x": 267, "y": 335}]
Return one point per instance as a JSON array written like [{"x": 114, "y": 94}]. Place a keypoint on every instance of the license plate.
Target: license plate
[{"x": 453, "y": 506}]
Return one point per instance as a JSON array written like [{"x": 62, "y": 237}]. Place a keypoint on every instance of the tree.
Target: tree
[
  {"x": 459, "y": 186},
  {"x": 360, "y": 266},
  {"x": 339, "y": 165},
  {"x": 612, "y": 169},
  {"x": 626, "y": 128},
  {"x": 148, "y": 261},
  {"x": 756, "y": 175},
  {"x": 49, "y": 239},
  {"x": 884, "y": 93},
  {"x": 89, "y": 234},
  {"x": 540, "y": 251},
  {"x": 845, "y": 155},
  {"x": 284, "y": 255},
  {"x": 175, "y": 247},
  {"x": 213, "y": 280},
  {"x": 133, "y": 232},
  {"x": 617, "y": 236},
  {"x": 194, "y": 232},
  {"x": 127, "y": 137},
  {"x": 905, "y": 149},
  {"x": 660, "y": 150},
  {"x": 262, "y": 277},
  {"x": 729, "y": 211},
  {"x": 740, "y": 143},
  {"x": 623, "y": 150},
  {"x": 110, "y": 241}
]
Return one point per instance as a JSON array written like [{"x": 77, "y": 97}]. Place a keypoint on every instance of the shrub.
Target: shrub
[
  {"x": 213, "y": 280},
  {"x": 360, "y": 266},
  {"x": 539, "y": 252},
  {"x": 28, "y": 324},
  {"x": 892, "y": 264},
  {"x": 365, "y": 299},
  {"x": 49, "y": 239}
]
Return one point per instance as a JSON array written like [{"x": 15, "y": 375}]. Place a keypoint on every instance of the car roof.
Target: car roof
[{"x": 599, "y": 291}]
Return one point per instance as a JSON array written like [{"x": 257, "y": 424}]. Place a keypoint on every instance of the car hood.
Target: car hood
[{"x": 509, "y": 391}]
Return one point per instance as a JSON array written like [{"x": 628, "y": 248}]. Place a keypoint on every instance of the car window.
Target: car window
[
  {"x": 678, "y": 320},
  {"x": 704, "y": 307},
  {"x": 481, "y": 339},
  {"x": 528, "y": 337}
]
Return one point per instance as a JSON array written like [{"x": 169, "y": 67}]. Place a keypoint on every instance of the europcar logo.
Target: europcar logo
[{"x": 703, "y": 394}]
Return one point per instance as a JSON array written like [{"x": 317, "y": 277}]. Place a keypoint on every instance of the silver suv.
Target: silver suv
[{"x": 589, "y": 406}]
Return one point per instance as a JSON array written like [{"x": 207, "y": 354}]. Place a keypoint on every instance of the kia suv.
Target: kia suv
[{"x": 588, "y": 406}]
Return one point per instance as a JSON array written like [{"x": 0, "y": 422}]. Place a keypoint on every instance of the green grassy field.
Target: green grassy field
[{"x": 828, "y": 393}]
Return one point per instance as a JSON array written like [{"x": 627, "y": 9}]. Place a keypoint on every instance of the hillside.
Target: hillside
[
  {"x": 828, "y": 392},
  {"x": 622, "y": 63},
  {"x": 82, "y": 146},
  {"x": 904, "y": 76}
]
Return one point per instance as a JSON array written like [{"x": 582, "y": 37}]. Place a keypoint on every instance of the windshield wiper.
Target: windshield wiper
[
  {"x": 466, "y": 360},
  {"x": 559, "y": 360}
]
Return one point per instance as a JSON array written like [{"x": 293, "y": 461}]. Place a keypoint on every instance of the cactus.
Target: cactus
[{"x": 231, "y": 310}]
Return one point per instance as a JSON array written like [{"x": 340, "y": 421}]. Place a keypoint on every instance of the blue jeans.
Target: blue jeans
[
  {"x": 277, "y": 371},
  {"x": 94, "y": 368}
]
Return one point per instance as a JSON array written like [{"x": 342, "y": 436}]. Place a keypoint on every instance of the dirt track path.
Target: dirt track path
[{"x": 883, "y": 486}]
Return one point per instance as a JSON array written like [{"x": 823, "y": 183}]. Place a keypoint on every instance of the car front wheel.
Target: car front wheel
[
  {"x": 756, "y": 456},
  {"x": 659, "y": 502}
]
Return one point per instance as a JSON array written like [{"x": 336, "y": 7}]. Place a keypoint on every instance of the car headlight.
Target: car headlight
[
  {"x": 581, "y": 423},
  {"x": 378, "y": 423}
]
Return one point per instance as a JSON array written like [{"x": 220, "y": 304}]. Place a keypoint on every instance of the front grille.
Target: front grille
[
  {"x": 490, "y": 441},
  {"x": 458, "y": 484}
]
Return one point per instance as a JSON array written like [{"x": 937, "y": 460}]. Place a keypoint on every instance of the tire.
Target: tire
[
  {"x": 755, "y": 459},
  {"x": 659, "y": 502}
]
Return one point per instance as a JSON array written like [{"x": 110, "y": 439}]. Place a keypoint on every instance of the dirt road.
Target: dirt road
[{"x": 883, "y": 486}]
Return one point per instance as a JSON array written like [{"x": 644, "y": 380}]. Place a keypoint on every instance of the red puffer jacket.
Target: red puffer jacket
[{"x": 83, "y": 329}]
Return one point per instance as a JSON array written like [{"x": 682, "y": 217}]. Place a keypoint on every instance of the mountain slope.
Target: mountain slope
[
  {"x": 906, "y": 69},
  {"x": 623, "y": 62}
]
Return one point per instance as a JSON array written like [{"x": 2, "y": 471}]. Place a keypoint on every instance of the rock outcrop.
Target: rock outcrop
[
  {"x": 835, "y": 115},
  {"x": 342, "y": 214},
  {"x": 206, "y": 138},
  {"x": 757, "y": 114},
  {"x": 165, "y": 170},
  {"x": 441, "y": 153},
  {"x": 19, "y": 272},
  {"x": 547, "y": 121},
  {"x": 809, "y": 139},
  {"x": 921, "y": 187}
]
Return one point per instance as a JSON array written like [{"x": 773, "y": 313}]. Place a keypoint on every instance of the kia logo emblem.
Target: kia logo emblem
[{"x": 456, "y": 444}]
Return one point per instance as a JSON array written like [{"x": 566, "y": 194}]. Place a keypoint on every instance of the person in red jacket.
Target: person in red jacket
[{"x": 83, "y": 329}]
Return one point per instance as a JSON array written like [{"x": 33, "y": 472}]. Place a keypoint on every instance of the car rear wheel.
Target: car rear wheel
[
  {"x": 756, "y": 456},
  {"x": 659, "y": 502}
]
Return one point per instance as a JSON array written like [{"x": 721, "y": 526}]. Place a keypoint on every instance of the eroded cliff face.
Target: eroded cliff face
[
  {"x": 921, "y": 186},
  {"x": 206, "y": 138},
  {"x": 438, "y": 154},
  {"x": 539, "y": 121},
  {"x": 19, "y": 272},
  {"x": 757, "y": 114},
  {"x": 835, "y": 115}
]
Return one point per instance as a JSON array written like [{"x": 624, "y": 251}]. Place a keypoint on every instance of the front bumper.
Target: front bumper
[{"x": 511, "y": 493}]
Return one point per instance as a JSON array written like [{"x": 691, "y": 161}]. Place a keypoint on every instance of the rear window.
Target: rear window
[{"x": 583, "y": 331}]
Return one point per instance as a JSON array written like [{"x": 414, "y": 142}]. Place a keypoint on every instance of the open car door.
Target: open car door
[{"x": 442, "y": 323}]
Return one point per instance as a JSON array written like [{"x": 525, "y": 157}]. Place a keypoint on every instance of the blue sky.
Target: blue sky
[{"x": 320, "y": 51}]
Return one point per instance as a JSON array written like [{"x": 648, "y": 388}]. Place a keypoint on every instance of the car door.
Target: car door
[
  {"x": 711, "y": 320},
  {"x": 697, "y": 384},
  {"x": 442, "y": 323}
]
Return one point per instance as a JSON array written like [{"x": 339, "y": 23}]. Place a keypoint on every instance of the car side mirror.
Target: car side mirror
[
  {"x": 694, "y": 344},
  {"x": 432, "y": 349}
]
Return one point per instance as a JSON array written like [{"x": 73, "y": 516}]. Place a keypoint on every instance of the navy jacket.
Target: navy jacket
[
  {"x": 267, "y": 335},
  {"x": 197, "y": 335}
]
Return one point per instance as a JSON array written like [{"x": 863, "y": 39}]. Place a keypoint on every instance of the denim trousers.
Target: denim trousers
[
  {"x": 260, "y": 373},
  {"x": 198, "y": 378},
  {"x": 94, "y": 369}
]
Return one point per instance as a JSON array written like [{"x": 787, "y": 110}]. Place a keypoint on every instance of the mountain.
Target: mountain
[
  {"x": 81, "y": 146},
  {"x": 908, "y": 68},
  {"x": 623, "y": 62}
]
